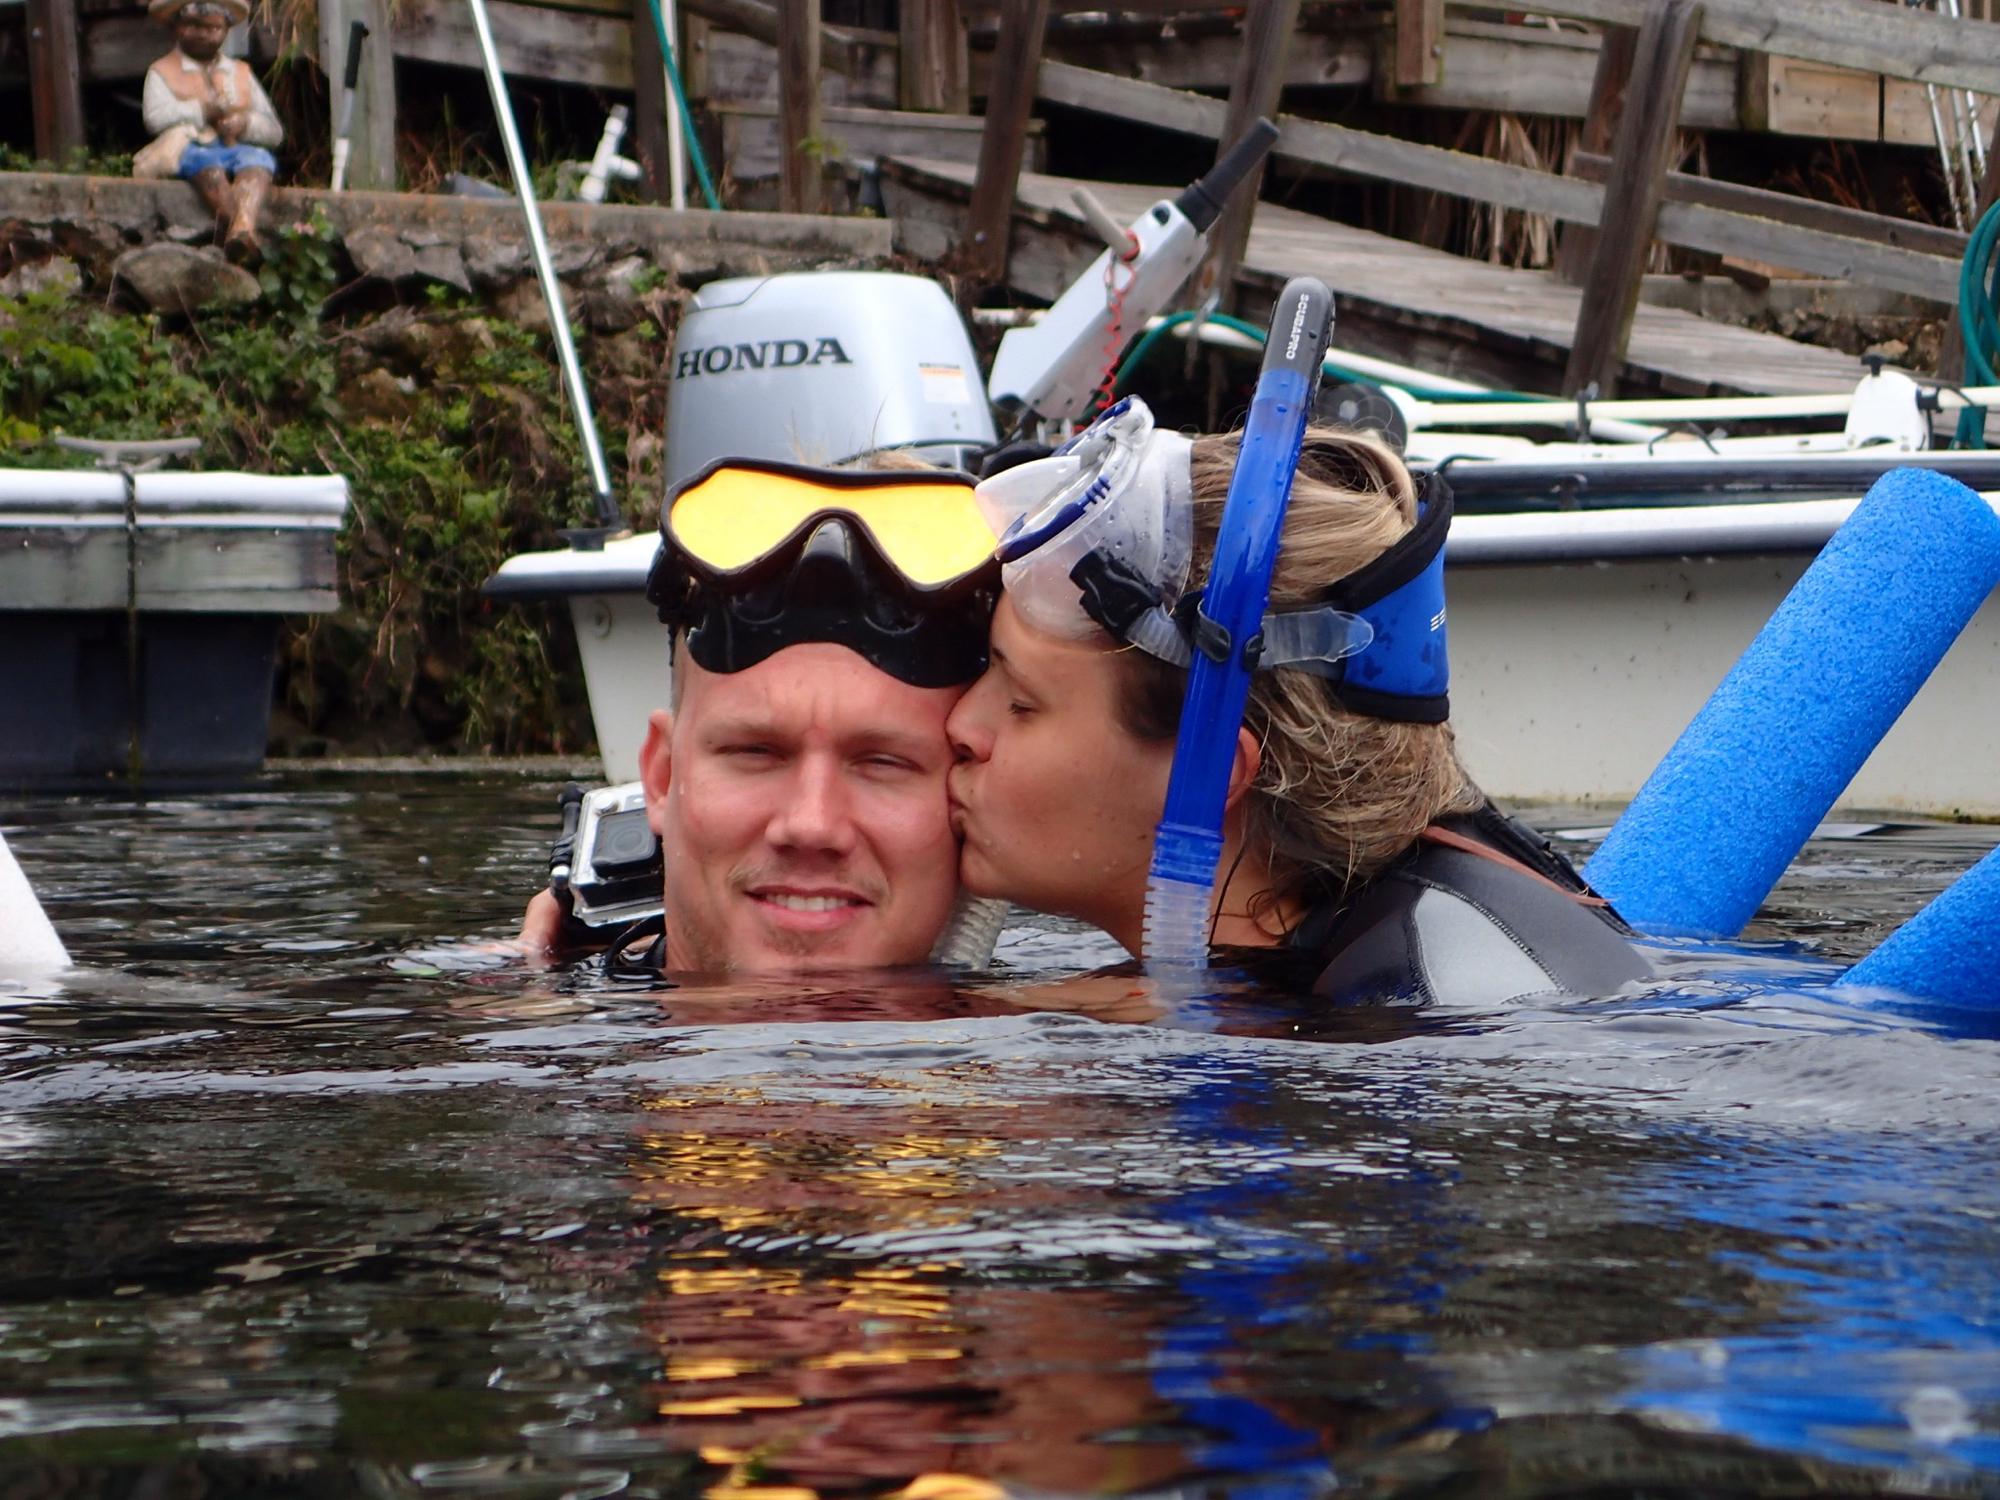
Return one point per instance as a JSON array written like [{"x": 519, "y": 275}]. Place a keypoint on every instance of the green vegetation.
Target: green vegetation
[{"x": 450, "y": 427}]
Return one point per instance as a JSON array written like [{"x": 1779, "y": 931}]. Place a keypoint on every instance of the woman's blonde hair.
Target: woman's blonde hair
[{"x": 1338, "y": 795}]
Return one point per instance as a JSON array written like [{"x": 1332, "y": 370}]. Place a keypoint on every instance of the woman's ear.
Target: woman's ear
[
  {"x": 1243, "y": 767},
  {"x": 656, "y": 766}
]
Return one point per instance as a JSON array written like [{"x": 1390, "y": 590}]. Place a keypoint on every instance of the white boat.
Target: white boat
[
  {"x": 1583, "y": 641},
  {"x": 139, "y": 618}
]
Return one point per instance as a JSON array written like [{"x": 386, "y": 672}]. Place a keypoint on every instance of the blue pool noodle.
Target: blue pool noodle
[
  {"x": 1743, "y": 787},
  {"x": 1948, "y": 952}
]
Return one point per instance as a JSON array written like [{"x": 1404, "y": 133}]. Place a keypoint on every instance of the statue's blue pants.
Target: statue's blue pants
[{"x": 232, "y": 159}]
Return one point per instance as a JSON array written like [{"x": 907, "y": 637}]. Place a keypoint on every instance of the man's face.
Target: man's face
[
  {"x": 801, "y": 807},
  {"x": 200, "y": 34}
]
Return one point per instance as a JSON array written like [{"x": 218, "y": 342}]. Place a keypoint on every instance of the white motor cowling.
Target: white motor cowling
[{"x": 818, "y": 366}]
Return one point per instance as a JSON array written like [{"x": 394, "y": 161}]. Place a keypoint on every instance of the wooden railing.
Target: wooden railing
[{"x": 1622, "y": 198}]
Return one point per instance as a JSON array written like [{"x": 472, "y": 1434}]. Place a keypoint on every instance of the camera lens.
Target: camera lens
[{"x": 624, "y": 844}]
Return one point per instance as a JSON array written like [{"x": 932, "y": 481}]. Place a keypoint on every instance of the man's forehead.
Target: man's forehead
[{"x": 815, "y": 685}]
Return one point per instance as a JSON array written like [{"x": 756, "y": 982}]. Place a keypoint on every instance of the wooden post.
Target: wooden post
[
  {"x": 54, "y": 79},
  {"x": 1641, "y": 154},
  {"x": 1578, "y": 242},
  {"x": 1260, "y": 74},
  {"x": 1419, "y": 42},
  {"x": 931, "y": 70},
  {"x": 1017, "y": 53},
  {"x": 650, "y": 103},
  {"x": 371, "y": 161},
  {"x": 801, "y": 147}
]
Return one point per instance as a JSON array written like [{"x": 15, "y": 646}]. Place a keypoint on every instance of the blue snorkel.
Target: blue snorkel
[{"x": 1228, "y": 629}]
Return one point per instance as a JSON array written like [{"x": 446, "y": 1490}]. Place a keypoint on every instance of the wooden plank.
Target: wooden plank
[
  {"x": 371, "y": 160},
  {"x": 840, "y": 48},
  {"x": 1742, "y": 225},
  {"x": 1419, "y": 42},
  {"x": 1787, "y": 96},
  {"x": 1268, "y": 30},
  {"x": 743, "y": 69},
  {"x": 1578, "y": 243},
  {"x": 55, "y": 79},
  {"x": 801, "y": 183},
  {"x": 1641, "y": 153},
  {"x": 1008, "y": 106},
  {"x": 650, "y": 103},
  {"x": 1906, "y": 114},
  {"x": 933, "y": 72},
  {"x": 1489, "y": 323},
  {"x": 1791, "y": 210},
  {"x": 534, "y": 41},
  {"x": 1865, "y": 34},
  {"x": 1359, "y": 151},
  {"x": 750, "y": 136}
]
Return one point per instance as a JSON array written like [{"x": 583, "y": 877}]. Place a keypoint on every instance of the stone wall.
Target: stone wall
[{"x": 150, "y": 243}]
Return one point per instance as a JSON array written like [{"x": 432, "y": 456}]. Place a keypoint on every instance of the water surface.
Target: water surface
[{"x": 303, "y": 1197}]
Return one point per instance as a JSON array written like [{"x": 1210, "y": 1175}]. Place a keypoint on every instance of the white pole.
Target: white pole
[{"x": 677, "y": 188}]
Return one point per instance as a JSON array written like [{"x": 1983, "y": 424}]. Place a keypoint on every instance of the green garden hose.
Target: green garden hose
[
  {"x": 680, "y": 102},
  {"x": 1978, "y": 295},
  {"x": 1338, "y": 372}
]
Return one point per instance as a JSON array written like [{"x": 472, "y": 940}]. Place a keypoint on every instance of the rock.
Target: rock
[
  {"x": 54, "y": 273},
  {"x": 387, "y": 256},
  {"x": 380, "y": 253},
  {"x": 494, "y": 263},
  {"x": 443, "y": 264},
  {"x": 608, "y": 311},
  {"x": 173, "y": 278}
]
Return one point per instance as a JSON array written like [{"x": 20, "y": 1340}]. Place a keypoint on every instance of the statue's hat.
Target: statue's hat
[{"x": 166, "y": 11}]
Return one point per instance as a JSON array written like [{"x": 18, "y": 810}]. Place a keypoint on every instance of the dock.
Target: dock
[{"x": 1397, "y": 300}]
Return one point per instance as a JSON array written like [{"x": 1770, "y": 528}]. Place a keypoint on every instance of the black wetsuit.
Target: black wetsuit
[{"x": 1447, "y": 924}]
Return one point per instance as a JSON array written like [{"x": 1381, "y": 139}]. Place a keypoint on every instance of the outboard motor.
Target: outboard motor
[{"x": 818, "y": 366}]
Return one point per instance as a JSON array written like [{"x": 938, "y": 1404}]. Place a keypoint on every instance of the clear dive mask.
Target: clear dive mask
[{"x": 1099, "y": 536}]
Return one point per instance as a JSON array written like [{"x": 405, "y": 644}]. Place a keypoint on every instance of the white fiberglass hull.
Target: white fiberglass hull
[{"x": 1582, "y": 643}]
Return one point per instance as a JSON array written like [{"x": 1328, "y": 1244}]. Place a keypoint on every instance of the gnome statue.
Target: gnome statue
[{"x": 212, "y": 122}]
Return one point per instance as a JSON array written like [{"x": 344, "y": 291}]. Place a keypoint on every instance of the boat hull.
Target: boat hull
[{"x": 1582, "y": 644}]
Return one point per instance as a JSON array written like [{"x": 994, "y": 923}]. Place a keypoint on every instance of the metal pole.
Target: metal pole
[
  {"x": 677, "y": 188},
  {"x": 552, "y": 297}
]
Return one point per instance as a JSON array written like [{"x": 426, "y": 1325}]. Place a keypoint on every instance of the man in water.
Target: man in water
[{"x": 823, "y": 624}]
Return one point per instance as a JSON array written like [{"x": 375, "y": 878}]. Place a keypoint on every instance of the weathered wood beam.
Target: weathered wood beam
[
  {"x": 839, "y": 48},
  {"x": 1865, "y": 34},
  {"x": 1793, "y": 211},
  {"x": 1641, "y": 153},
  {"x": 801, "y": 179},
  {"x": 1578, "y": 242},
  {"x": 650, "y": 103},
  {"x": 1268, "y": 28},
  {"x": 933, "y": 70},
  {"x": 55, "y": 79},
  {"x": 1419, "y": 57},
  {"x": 371, "y": 160},
  {"x": 1570, "y": 199},
  {"x": 1009, "y": 102},
  {"x": 583, "y": 47}
]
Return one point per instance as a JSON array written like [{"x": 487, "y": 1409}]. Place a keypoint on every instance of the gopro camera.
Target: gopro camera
[{"x": 608, "y": 857}]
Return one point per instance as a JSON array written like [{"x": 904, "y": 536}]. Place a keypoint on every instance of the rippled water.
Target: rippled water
[{"x": 301, "y": 1198}]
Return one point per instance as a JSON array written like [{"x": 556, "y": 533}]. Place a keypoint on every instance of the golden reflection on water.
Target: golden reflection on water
[{"x": 802, "y": 1355}]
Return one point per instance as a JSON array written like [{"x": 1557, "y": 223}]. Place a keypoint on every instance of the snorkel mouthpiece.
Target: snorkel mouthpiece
[{"x": 1227, "y": 635}]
